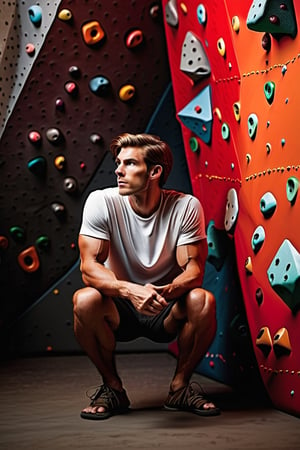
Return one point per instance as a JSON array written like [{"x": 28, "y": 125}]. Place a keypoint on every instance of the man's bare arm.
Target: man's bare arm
[
  {"x": 191, "y": 258},
  {"x": 93, "y": 254}
]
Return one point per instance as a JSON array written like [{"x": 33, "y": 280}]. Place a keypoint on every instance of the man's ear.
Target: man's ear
[{"x": 156, "y": 171}]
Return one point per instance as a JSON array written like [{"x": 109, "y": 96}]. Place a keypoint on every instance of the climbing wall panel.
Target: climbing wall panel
[
  {"x": 98, "y": 69},
  {"x": 247, "y": 173}
]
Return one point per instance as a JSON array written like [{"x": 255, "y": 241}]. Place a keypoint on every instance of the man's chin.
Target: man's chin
[{"x": 124, "y": 191}]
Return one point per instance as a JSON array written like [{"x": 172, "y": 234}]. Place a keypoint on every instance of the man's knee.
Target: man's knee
[
  {"x": 202, "y": 301},
  {"x": 86, "y": 299}
]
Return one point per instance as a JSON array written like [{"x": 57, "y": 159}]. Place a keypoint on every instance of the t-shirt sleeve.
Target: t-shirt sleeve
[
  {"x": 193, "y": 223},
  {"x": 95, "y": 217}
]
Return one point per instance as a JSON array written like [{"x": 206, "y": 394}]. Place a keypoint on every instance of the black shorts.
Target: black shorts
[{"x": 134, "y": 325}]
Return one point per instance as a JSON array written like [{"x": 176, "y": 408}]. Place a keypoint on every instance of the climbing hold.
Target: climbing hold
[
  {"x": 59, "y": 210},
  {"x": 217, "y": 243},
  {"x": 266, "y": 42},
  {"x": 43, "y": 243},
  {"x": 248, "y": 265},
  {"x": 95, "y": 138},
  {"x": 134, "y": 38},
  {"x": 54, "y": 135},
  {"x": 264, "y": 340},
  {"x": 154, "y": 11},
  {"x": 34, "y": 137},
  {"x": 71, "y": 88},
  {"x": 194, "y": 144},
  {"x": 74, "y": 71},
  {"x": 218, "y": 113},
  {"x": 292, "y": 186},
  {"x": 194, "y": 62},
  {"x": 284, "y": 274},
  {"x": 3, "y": 242},
  {"x": 281, "y": 343},
  {"x": 18, "y": 234},
  {"x": 201, "y": 14},
  {"x": 237, "y": 111},
  {"x": 60, "y": 162},
  {"x": 284, "y": 69},
  {"x": 65, "y": 15},
  {"x": 221, "y": 46},
  {"x": 35, "y": 15},
  {"x": 258, "y": 238},
  {"x": 70, "y": 185},
  {"x": 127, "y": 92},
  {"x": 59, "y": 104},
  {"x": 269, "y": 90},
  {"x": 183, "y": 8},
  {"x": 252, "y": 125},
  {"x": 248, "y": 158},
  {"x": 200, "y": 123},
  {"x": 37, "y": 166},
  {"x": 235, "y": 22},
  {"x": 225, "y": 131},
  {"x": 92, "y": 32},
  {"x": 171, "y": 13},
  {"x": 268, "y": 204},
  {"x": 28, "y": 260},
  {"x": 268, "y": 147},
  {"x": 272, "y": 17},
  {"x": 232, "y": 209},
  {"x": 259, "y": 296},
  {"x": 99, "y": 85},
  {"x": 30, "y": 49}
]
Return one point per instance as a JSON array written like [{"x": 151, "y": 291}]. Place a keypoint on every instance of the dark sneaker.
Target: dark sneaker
[
  {"x": 114, "y": 402},
  {"x": 190, "y": 398}
]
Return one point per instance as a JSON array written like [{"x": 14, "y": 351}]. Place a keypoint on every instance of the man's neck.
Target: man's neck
[{"x": 145, "y": 204}]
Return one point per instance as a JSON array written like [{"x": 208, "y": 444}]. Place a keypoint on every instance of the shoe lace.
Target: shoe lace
[
  {"x": 103, "y": 391},
  {"x": 195, "y": 393}
]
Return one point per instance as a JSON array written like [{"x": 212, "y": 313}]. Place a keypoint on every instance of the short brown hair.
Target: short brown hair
[{"x": 156, "y": 151}]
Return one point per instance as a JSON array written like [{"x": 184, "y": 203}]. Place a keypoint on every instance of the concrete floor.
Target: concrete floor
[{"x": 41, "y": 399}]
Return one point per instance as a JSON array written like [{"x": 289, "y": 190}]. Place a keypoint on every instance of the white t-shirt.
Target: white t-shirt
[{"x": 143, "y": 250}]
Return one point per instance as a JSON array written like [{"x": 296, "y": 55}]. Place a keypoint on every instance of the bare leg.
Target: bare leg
[
  {"x": 95, "y": 318},
  {"x": 197, "y": 314}
]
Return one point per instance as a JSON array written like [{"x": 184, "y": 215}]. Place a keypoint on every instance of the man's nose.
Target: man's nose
[{"x": 119, "y": 170}]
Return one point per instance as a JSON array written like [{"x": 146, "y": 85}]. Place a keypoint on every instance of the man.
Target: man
[{"x": 143, "y": 250}]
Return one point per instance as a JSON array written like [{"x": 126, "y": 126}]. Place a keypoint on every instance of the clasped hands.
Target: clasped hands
[{"x": 147, "y": 299}]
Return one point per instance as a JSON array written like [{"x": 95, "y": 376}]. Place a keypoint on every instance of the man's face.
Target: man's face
[{"x": 132, "y": 173}]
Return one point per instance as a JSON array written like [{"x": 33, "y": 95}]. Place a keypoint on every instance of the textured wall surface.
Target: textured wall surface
[{"x": 235, "y": 71}]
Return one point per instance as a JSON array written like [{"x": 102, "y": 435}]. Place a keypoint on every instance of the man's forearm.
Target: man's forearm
[
  {"x": 105, "y": 281},
  {"x": 183, "y": 283}
]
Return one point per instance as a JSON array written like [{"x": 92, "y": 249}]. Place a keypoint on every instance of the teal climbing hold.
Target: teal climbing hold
[
  {"x": 201, "y": 14},
  {"x": 225, "y": 131},
  {"x": 284, "y": 274},
  {"x": 218, "y": 245},
  {"x": 252, "y": 125},
  {"x": 274, "y": 17},
  {"x": 99, "y": 85},
  {"x": 35, "y": 15},
  {"x": 292, "y": 186},
  {"x": 258, "y": 238},
  {"x": 269, "y": 90},
  {"x": 37, "y": 166},
  {"x": 197, "y": 115},
  {"x": 268, "y": 204}
]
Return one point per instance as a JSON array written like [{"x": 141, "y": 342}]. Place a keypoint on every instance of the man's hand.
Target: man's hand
[{"x": 146, "y": 299}]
